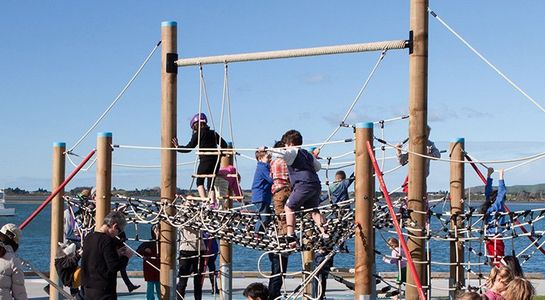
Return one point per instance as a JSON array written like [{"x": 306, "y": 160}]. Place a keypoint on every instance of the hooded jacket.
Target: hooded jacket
[{"x": 12, "y": 278}]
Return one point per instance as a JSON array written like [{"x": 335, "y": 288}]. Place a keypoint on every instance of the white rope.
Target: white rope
[
  {"x": 292, "y": 53},
  {"x": 391, "y": 120},
  {"x": 514, "y": 85},
  {"x": 116, "y": 98},
  {"x": 505, "y": 161},
  {"x": 229, "y": 150},
  {"x": 358, "y": 96},
  {"x": 148, "y": 166},
  {"x": 524, "y": 163}
]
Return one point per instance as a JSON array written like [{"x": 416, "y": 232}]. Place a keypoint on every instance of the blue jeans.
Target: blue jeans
[
  {"x": 322, "y": 274},
  {"x": 279, "y": 264},
  {"x": 265, "y": 211},
  {"x": 153, "y": 287}
]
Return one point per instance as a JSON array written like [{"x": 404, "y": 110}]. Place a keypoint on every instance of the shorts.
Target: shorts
[
  {"x": 495, "y": 250},
  {"x": 207, "y": 167},
  {"x": 305, "y": 195}
]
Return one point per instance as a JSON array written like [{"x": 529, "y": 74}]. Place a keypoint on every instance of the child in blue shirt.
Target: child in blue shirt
[
  {"x": 493, "y": 204},
  {"x": 339, "y": 188},
  {"x": 261, "y": 187}
]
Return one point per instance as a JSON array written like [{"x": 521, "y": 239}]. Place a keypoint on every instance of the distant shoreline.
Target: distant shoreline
[{"x": 36, "y": 199}]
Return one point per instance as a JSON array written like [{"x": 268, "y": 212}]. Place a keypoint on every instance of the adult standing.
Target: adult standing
[
  {"x": 101, "y": 259},
  {"x": 12, "y": 278}
]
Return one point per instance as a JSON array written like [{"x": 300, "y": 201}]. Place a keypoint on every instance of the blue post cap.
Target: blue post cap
[
  {"x": 104, "y": 134},
  {"x": 59, "y": 144},
  {"x": 169, "y": 24},
  {"x": 364, "y": 125},
  {"x": 459, "y": 140}
]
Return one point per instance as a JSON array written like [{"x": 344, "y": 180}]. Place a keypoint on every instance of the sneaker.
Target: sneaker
[{"x": 291, "y": 241}]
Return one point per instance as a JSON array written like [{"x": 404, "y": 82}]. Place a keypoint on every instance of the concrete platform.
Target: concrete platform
[{"x": 335, "y": 290}]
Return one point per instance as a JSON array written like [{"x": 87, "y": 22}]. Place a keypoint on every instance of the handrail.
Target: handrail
[
  {"x": 410, "y": 262},
  {"x": 57, "y": 190}
]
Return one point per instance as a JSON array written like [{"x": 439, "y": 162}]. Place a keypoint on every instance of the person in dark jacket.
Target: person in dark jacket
[
  {"x": 206, "y": 138},
  {"x": 101, "y": 259}
]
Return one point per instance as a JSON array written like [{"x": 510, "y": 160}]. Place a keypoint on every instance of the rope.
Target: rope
[
  {"x": 227, "y": 150},
  {"x": 358, "y": 96},
  {"x": 514, "y": 85},
  {"x": 116, "y": 98},
  {"x": 538, "y": 155},
  {"x": 396, "y": 224},
  {"x": 292, "y": 53}
]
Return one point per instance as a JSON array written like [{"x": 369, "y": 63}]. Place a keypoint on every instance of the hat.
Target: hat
[{"x": 12, "y": 232}]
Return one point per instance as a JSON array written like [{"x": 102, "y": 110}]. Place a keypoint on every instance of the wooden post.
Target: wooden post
[
  {"x": 418, "y": 115},
  {"x": 57, "y": 214},
  {"x": 169, "y": 72},
  {"x": 457, "y": 187},
  {"x": 364, "y": 241},
  {"x": 226, "y": 263},
  {"x": 308, "y": 260},
  {"x": 104, "y": 177}
]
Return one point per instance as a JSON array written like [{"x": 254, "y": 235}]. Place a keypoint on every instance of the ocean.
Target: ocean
[{"x": 35, "y": 244}]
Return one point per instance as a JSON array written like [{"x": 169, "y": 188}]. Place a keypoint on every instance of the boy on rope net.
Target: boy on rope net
[
  {"x": 302, "y": 168},
  {"x": 491, "y": 208},
  {"x": 209, "y": 163},
  {"x": 261, "y": 188}
]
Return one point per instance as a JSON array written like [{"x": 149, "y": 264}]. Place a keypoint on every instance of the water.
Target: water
[{"x": 35, "y": 245}]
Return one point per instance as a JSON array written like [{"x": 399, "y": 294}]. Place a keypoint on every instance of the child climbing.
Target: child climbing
[
  {"x": 209, "y": 164},
  {"x": 261, "y": 188},
  {"x": 339, "y": 188},
  {"x": 302, "y": 168},
  {"x": 492, "y": 206}
]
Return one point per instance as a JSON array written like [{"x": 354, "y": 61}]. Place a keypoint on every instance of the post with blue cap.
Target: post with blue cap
[
  {"x": 57, "y": 212},
  {"x": 169, "y": 71},
  {"x": 364, "y": 193},
  {"x": 103, "y": 177},
  {"x": 226, "y": 249},
  {"x": 457, "y": 187}
]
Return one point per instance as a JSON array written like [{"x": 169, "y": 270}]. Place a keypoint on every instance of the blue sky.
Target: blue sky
[{"x": 63, "y": 62}]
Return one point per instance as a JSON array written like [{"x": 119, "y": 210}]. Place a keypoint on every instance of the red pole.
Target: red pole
[
  {"x": 412, "y": 268},
  {"x": 57, "y": 190},
  {"x": 504, "y": 205}
]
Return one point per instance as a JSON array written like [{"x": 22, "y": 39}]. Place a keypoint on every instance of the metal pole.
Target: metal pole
[
  {"x": 104, "y": 177},
  {"x": 457, "y": 187},
  {"x": 364, "y": 188},
  {"x": 226, "y": 262},
  {"x": 418, "y": 114},
  {"x": 168, "y": 158},
  {"x": 57, "y": 213}
]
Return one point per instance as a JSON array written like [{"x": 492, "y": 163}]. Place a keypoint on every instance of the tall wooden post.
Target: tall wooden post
[
  {"x": 226, "y": 263},
  {"x": 418, "y": 115},
  {"x": 57, "y": 213},
  {"x": 364, "y": 241},
  {"x": 103, "y": 177},
  {"x": 169, "y": 72},
  {"x": 457, "y": 187}
]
